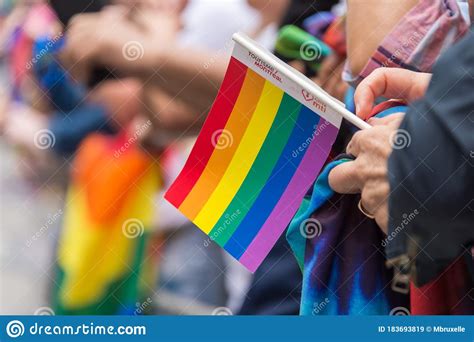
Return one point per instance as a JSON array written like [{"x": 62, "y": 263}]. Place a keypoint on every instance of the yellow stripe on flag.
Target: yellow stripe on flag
[
  {"x": 243, "y": 159},
  {"x": 92, "y": 255},
  {"x": 221, "y": 157}
]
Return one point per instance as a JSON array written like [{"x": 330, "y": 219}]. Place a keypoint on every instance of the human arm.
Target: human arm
[{"x": 146, "y": 48}]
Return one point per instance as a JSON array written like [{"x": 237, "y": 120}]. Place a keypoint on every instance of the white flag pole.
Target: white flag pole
[{"x": 299, "y": 79}]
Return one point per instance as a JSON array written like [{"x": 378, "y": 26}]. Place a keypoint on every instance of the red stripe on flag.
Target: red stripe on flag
[{"x": 203, "y": 148}]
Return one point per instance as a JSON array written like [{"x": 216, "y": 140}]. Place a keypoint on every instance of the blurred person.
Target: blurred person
[
  {"x": 193, "y": 80},
  {"x": 54, "y": 105},
  {"x": 111, "y": 183},
  {"x": 26, "y": 108},
  {"x": 46, "y": 112}
]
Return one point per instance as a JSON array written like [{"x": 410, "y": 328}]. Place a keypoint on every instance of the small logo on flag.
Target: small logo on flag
[{"x": 315, "y": 102}]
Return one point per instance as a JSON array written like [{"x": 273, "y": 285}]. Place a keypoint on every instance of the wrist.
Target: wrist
[{"x": 154, "y": 55}]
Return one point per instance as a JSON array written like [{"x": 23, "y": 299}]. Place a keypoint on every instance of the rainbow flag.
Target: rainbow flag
[
  {"x": 262, "y": 146},
  {"x": 105, "y": 251}
]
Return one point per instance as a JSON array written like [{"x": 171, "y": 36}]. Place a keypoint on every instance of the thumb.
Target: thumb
[{"x": 390, "y": 83}]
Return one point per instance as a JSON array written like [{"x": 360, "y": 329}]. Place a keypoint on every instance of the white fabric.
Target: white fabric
[{"x": 210, "y": 23}]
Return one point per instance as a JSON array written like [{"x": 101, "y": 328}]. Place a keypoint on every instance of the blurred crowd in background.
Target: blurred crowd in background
[{"x": 100, "y": 103}]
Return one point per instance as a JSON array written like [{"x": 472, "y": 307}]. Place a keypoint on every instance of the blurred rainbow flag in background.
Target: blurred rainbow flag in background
[
  {"x": 104, "y": 263},
  {"x": 262, "y": 146}
]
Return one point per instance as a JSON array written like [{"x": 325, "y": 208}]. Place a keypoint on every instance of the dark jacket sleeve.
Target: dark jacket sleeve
[{"x": 431, "y": 206}]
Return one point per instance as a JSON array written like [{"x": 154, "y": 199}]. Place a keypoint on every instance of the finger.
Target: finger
[
  {"x": 345, "y": 179},
  {"x": 387, "y": 82}
]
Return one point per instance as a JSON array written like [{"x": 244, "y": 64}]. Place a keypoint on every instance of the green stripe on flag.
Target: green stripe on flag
[{"x": 261, "y": 169}]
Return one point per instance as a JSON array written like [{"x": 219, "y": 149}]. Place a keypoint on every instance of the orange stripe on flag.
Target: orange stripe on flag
[{"x": 226, "y": 142}]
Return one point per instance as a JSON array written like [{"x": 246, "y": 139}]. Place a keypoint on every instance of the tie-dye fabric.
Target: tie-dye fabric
[
  {"x": 340, "y": 253},
  {"x": 342, "y": 257}
]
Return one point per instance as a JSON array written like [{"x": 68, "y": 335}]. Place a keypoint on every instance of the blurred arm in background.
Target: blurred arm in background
[
  {"x": 192, "y": 75},
  {"x": 172, "y": 119}
]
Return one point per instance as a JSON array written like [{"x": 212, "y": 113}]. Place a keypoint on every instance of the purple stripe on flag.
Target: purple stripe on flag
[{"x": 289, "y": 203}]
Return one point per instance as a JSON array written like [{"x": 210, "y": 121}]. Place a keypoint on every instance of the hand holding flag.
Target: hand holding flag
[{"x": 263, "y": 144}]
